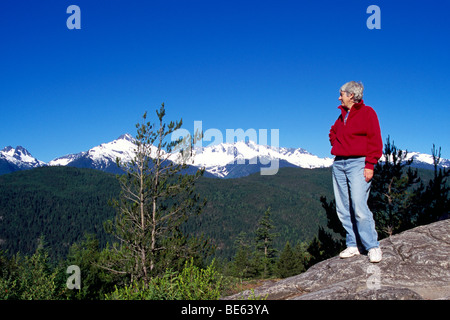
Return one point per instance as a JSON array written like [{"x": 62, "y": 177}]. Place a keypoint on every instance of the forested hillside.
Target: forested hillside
[
  {"x": 236, "y": 205},
  {"x": 64, "y": 203},
  {"x": 59, "y": 203}
]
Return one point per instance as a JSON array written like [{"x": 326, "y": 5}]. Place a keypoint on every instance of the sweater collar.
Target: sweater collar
[{"x": 356, "y": 106}]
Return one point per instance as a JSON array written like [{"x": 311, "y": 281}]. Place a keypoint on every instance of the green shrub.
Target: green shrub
[
  {"x": 192, "y": 283},
  {"x": 29, "y": 278}
]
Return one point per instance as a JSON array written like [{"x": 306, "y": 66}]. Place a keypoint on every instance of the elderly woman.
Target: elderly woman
[{"x": 356, "y": 142}]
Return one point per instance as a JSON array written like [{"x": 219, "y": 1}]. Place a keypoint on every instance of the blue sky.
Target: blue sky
[{"x": 231, "y": 64}]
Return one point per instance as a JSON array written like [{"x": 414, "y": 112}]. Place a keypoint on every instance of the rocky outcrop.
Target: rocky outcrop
[{"x": 415, "y": 266}]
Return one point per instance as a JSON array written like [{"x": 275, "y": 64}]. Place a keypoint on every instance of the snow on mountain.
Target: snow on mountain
[
  {"x": 20, "y": 156},
  {"x": 121, "y": 147},
  {"x": 225, "y": 160},
  {"x": 14, "y": 159},
  {"x": 102, "y": 157},
  {"x": 427, "y": 159},
  {"x": 65, "y": 160},
  {"x": 220, "y": 159},
  {"x": 240, "y": 158},
  {"x": 423, "y": 160}
]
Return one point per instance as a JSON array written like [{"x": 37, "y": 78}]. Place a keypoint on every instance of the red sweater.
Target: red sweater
[{"x": 360, "y": 135}]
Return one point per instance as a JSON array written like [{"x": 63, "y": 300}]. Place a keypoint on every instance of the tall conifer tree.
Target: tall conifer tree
[
  {"x": 264, "y": 242},
  {"x": 156, "y": 199}
]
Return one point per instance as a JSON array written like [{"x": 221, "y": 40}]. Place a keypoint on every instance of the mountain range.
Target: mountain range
[{"x": 225, "y": 160}]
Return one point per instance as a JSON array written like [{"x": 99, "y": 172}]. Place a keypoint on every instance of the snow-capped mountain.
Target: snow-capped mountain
[
  {"x": 225, "y": 160},
  {"x": 423, "y": 160},
  {"x": 102, "y": 157},
  {"x": 15, "y": 159}
]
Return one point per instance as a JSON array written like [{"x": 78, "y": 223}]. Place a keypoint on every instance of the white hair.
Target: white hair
[{"x": 355, "y": 88}]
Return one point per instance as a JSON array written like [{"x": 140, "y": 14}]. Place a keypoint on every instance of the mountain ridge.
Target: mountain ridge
[{"x": 224, "y": 160}]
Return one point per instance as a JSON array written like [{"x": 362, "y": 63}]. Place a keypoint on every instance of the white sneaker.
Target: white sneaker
[
  {"x": 349, "y": 252},
  {"x": 375, "y": 255}
]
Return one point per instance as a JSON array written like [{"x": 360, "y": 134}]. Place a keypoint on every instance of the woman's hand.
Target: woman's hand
[{"x": 368, "y": 174}]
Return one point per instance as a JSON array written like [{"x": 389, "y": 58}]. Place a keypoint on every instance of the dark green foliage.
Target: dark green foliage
[
  {"x": 292, "y": 261},
  {"x": 243, "y": 264},
  {"x": 330, "y": 242},
  {"x": 432, "y": 202},
  {"x": 95, "y": 281},
  {"x": 191, "y": 283},
  {"x": 392, "y": 187},
  {"x": 30, "y": 277},
  {"x": 64, "y": 203},
  {"x": 399, "y": 199},
  {"x": 60, "y": 203},
  {"x": 235, "y": 206},
  {"x": 257, "y": 258},
  {"x": 323, "y": 247},
  {"x": 264, "y": 239}
]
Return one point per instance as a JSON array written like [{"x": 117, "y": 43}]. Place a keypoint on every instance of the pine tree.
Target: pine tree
[
  {"x": 432, "y": 203},
  {"x": 155, "y": 201},
  {"x": 326, "y": 244},
  {"x": 391, "y": 192},
  {"x": 264, "y": 243},
  {"x": 291, "y": 261},
  {"x": 29, "y": 277},
  {"x": 243, "y": 264},
  {"x": 95, "y": 281}
]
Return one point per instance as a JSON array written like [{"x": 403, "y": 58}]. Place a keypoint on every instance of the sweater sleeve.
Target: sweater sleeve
[
  {"x": 374, "y": 140},
  {"x": 332, "y": 134}
]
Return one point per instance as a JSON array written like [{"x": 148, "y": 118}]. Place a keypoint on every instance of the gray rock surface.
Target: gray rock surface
[{"x": 415, "y": 266}]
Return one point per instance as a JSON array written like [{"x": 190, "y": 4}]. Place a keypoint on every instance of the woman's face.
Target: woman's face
[{"x": 346, "y": 101}]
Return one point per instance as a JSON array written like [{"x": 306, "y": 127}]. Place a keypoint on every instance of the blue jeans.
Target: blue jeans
[{"x": 351, "y": 192}]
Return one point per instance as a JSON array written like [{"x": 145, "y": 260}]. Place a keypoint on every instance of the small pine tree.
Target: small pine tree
[
  {"x": 323, "y": 247},
  {"x": 326, "y": 244},
  {"x": 243, "y": 264},
  {"x": 264, "y": 243},
  {"x": 95, "y": 281},
  {"x": 30, "y": 277},
  {"x": 291, "y": 261}
]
